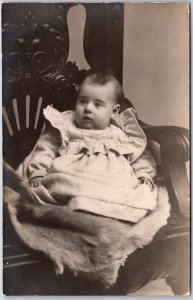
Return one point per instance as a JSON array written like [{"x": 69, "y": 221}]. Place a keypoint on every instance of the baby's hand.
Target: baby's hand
[
  {"x": 144, "y": 180},
  {"x": 35, "y": 181}
]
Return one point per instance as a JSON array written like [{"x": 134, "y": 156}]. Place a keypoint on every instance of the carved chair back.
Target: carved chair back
[{"x": 40, "y": 45}]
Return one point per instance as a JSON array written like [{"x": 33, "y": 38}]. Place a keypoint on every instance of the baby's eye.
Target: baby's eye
[
  {"x": 98, "y": 104},
  {"x": 82, "y": 101}
]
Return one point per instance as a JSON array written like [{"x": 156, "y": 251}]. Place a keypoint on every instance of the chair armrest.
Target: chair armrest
[
  {"x": 174, "y": 150},
  {"x": 173, "y": 140}
]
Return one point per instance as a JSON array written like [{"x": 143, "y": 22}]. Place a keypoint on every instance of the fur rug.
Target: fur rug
[{"x": 89, "y": 245}]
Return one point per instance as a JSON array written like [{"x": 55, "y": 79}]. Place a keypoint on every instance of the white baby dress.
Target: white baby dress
[{"x": 94, "y": 170}]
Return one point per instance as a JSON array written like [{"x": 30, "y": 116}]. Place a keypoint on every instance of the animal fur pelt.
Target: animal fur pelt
[{"x": 89, "y": 245}]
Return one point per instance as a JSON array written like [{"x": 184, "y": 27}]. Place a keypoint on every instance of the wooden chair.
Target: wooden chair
[{"x": 36, "y": 73}]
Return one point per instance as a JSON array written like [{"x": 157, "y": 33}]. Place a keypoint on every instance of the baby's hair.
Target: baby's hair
[{"x": 104, "y": 78}]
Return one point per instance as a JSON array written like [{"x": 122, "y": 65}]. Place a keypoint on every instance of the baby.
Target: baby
[{"x": 94, "y": 158}]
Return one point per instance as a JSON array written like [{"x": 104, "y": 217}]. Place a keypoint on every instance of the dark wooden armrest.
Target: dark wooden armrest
[
  {"x": 174, "y": 148},
  {"x": 173, "y": 140}
]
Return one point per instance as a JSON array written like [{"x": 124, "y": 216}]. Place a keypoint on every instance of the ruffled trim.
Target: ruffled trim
[
  {"x": 137, "y": 140},
  {"x": 91, "y": 147},
  {"x": 133, "y": 144},
  {"x": 56, "y": 119}
]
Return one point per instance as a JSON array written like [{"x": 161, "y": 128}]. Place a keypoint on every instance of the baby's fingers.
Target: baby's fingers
[
  {"x": 144, "y": 180},
  {"x": 151, "y": 186},
  {"x": 35, "y": 183},
  {"x": 32, "y": 184}
]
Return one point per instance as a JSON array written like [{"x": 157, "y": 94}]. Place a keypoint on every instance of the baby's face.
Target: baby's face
[{"x": 95, "y": 105}]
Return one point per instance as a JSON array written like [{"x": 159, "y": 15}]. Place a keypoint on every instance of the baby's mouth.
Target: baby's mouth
[{"x": 86, "y": 118}]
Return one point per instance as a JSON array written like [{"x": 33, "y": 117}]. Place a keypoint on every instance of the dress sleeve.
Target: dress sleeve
[
  {"x": 144, "y": 166},
  {"x": 44, "y": 152},
  {"x": 136, "y": 138}
]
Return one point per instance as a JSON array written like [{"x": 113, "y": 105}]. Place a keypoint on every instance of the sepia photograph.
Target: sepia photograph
[{"x": 96, "y": 130}]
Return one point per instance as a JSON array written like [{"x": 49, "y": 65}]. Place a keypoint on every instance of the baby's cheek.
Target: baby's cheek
[
  {"x": 77, "y": 118},
  {"x": 103, "y": 121}
]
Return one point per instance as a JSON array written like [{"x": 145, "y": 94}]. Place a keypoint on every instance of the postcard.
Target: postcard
[{"x": 95, "y": 116}]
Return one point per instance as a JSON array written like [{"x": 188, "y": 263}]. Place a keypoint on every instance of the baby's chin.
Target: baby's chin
[{"x": 89, "y": 125}]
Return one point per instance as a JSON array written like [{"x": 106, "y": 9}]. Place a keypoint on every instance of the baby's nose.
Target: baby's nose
[{"x": 88, "y": 107}]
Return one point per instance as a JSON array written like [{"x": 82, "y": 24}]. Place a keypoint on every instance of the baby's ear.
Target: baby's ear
[{"x": 116, "y": 110}]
